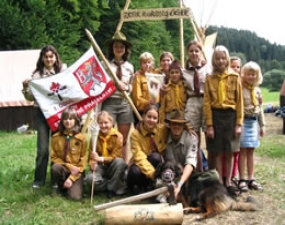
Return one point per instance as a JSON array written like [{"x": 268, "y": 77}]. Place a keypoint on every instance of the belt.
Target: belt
[
  {"x": 250, "y": 117},
  {"x": 197, "y": 95}
]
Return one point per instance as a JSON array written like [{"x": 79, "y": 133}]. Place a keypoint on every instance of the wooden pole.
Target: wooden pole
[
  {"x": 181, "y": 39},
  {"x": 119, "y": 27},
  {"x": 115, "y": 78},
  {"x": 131, "y": 199}
]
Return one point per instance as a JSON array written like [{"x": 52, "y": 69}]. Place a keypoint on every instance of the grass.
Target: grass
[
  {"x": 19, "y": 204},
  {"x": 270, "y": 97}
]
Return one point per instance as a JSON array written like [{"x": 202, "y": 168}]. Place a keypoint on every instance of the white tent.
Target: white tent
[{"x": 15, "y": 66}]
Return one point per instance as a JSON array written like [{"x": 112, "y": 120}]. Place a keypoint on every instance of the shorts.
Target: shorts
[
  {"x": 120, "y": 110},
  {"x": 194, "y": 113}
]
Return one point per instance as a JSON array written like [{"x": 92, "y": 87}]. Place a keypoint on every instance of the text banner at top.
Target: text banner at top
[{"x": 154, "y": 14}]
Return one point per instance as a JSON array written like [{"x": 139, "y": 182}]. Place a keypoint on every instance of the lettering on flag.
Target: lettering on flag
[
  {"x": 83, "y": 85},
  {"x": 154, "y": 83}
]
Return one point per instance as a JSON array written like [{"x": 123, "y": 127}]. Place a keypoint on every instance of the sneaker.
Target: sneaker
[{"x": 36, "y": 186}]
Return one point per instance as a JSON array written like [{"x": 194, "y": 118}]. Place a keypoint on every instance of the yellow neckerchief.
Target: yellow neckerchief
[
  {"x": 178, "y": 99},
  {"x": 222, "y": 87},
  {"x": 104, "y": 140},
  {"x": 252, "y": 93}
]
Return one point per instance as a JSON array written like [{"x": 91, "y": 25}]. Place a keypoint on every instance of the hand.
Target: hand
[
  {"x": 210, "y": 132},
  {"x": 238, "y": 131},
  {"x": 94, "y": 166},
  {"x": 26, "y": 83},
  {"x": 152, "y": 101},
  {"x": 68, "y": 183},
  {"x": 192, "y": 132},
  {"x": 75, "y": 170},
  {"x": 262, "y": 132},
  {"x": 123, "y": 87}
]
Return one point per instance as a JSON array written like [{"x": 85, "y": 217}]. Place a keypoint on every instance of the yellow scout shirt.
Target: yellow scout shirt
[
  {"x": 141, "y": 147},
  {"x": 233, "y": 98},
  {"x": 75, "y": 155},
  {"x": 174, "y": 98},
  {"x": 140, "y": 93},
  {"x": 114, "y": 147}
]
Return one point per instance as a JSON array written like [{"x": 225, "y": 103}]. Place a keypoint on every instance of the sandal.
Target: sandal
[
  {"x": 242, "y": 185},
  {"x": 233, "y": 191},
  {"x": 252, "y": 184}
]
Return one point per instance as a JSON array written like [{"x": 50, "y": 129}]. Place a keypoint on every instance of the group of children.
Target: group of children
[{"x": 220, "y": 99}]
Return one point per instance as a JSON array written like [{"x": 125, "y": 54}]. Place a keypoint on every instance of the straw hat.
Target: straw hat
[
  {"x": 118, "y": 36},
  {"x": 176, "y": 116}
]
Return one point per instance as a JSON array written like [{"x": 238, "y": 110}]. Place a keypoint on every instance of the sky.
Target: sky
[{"x": 264, "y": 17}]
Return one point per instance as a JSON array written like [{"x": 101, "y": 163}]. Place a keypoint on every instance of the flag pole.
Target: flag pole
[{"x": 115, "y": 78}]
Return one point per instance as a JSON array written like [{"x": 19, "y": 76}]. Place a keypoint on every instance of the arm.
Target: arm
[{"x": 139, "y": 156}]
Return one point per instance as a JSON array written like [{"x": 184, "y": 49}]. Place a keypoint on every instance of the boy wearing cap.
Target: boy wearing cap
[
  {"x": 181, "y": 146},
  {"x": 175, "y": 96}
]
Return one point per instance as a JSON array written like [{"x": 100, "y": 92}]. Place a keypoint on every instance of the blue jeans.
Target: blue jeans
[{"x": 43, "y": 135}]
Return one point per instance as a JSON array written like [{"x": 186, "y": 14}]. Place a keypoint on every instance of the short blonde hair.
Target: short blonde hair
[
  {"x": 220, "y": 48},
  {"x": 105, "y": 114},
  {"x": 253, "y": 66},
  {"x": 146, "y": 56}
]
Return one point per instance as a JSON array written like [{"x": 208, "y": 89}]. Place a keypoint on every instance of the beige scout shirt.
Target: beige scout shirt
[
  {"x": 188, "y": 78},
  {"x": 250, "y": 109},
  {"x": 184, "y": 151},
  {"x": 127, "y": 78}
]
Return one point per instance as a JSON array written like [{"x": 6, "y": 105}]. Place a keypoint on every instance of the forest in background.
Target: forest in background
[{"x": 31, "y": 24}]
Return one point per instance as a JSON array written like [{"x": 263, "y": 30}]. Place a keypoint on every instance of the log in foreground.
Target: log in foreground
[
  {"x": 131, "y": 199},
  {"x": 161, "y": 213}
]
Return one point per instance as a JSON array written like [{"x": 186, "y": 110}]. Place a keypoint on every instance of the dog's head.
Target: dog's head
[{"x": 169, "y": 171}]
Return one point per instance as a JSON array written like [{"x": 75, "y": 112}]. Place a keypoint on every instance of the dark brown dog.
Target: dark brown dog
[{"x": 205, "y": 195}]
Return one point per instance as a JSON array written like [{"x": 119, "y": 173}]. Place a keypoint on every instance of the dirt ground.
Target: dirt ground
[{"x": 272, "y": 213}]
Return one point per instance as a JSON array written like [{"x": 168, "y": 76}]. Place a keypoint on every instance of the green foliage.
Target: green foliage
[{"x": 273, "y": 79}]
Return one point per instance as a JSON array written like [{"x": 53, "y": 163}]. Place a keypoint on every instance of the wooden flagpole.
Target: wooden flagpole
[{"x": 115, "y": 78}]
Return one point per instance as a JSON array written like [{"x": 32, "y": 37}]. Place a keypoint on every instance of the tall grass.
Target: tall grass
[{"x": 20, "y": 204}]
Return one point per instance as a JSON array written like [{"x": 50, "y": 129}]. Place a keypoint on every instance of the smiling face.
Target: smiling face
[
  {"x": 220, "y": 61},
  {"x": 119, "y": 50},
  {"x": 235, "y": 65},
  {"x": 68, "y": 123},
  {"x": 165, "y": 62},
  {"x": 250, "y": 77},
  {"x": 49, "y": 59},
  {"x": 105, "y": 124},
  {"x": 194, "y": 54},
  {"x": 150, "y": 119},
  {"x": 176, "y": 130}
]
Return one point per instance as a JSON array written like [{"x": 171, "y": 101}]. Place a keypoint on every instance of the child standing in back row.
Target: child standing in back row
[
  {"x": 253, "y": 125},
  {"x": 223, "y": 107},
  {"x": 175, "y": 96}
]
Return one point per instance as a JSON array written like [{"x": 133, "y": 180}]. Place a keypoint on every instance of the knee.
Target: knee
[
  {"x": 119, "y": 163},
  {"x": 155, "y": 159}
]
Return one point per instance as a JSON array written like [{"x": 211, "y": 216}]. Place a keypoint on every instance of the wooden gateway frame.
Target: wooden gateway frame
[{"x": 181, "y": 12}]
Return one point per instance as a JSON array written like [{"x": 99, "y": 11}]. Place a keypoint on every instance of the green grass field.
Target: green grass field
[{"x": 19, "y": 204}]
